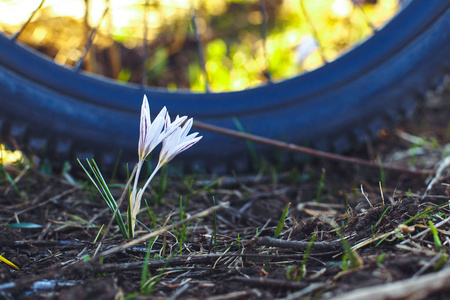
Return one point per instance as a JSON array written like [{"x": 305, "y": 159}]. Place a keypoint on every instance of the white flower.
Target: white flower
[
  {"x": 171, "y": 126},
  {"x": 151, "y": 134},
  {"x": 177, "y": 142}
]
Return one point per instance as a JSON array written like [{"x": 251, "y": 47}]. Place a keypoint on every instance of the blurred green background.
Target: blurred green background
[{"x": 230, "y": 31}]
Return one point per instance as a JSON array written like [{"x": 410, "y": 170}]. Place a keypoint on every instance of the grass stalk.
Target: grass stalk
[
  {"x": 305, "y": 258},
  {"x": 282, "y": 220},
  {"x": 182, "y": 235},
  {"x": 434, "y": 232},
  {"x": 350, "y": 254},
  {"x": 320, "y": 186},
  {"x": 100, "y": 184},
  {"x": 379, "y": 220},
  {"x": 145, "y": 274},
  {"x": 151, "y": 214},
  {"x": 215, "y": 226}
]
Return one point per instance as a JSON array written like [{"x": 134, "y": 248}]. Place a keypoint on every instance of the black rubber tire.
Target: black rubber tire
[{"x": 64, "y": 114}]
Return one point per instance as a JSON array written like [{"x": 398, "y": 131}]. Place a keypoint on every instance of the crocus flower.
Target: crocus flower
[
  {"x": 151, "y": 134},
  {"x": 173, "y": 145},
  {"x": 177, "y": 142}
]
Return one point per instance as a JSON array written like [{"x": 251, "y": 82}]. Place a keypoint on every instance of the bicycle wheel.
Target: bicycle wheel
[{"x": 66, "y": 114}]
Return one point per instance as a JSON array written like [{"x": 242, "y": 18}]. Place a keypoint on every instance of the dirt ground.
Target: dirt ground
[{"x": 390, "y": 244}]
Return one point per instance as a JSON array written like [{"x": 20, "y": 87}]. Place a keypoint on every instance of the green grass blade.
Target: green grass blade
[
  {"x": 320, "y": 186},
  {"x": 151, "y": 214},
  {"x": 98, "y": 233},
  {"x": 355, "y": 260},
  {"x": 305, "y": 257},
  {"x": 425, "y": 212},
  {"x": 145, "y": 274},
  {"x": 215, "y": 226},
  {"x": 103, "y": 185},
  {"x": 24, "y": 225},
  {"x": 434, "y": 232},
  {"x": 282, "y": 220},
  {"x": 91, "y": 179},
  {"x": 103, "y": 189},
  {"x": 381, "y": 218}
]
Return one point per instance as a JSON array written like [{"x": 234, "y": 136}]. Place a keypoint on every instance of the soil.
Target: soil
[{"x": 69, "y": 255}]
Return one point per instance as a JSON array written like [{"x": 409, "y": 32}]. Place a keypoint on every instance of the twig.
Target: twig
[
  {"x": 179, "y": 291},
  {"x": 332, "y": 246},
  {"x": 203, "y": 259},
  {"x": 67, "y": 244},
  {"x": 381, "y": 192},
  {"x": 296, "y": 148},
  {"x": 262, "y": 281},
  {"x": 447, "y": 220},
  {"x": 429, "y": 264},
  {"x": 413, "y": 288},
  {"x": 365, "y": 196},
  {"x": 443, "y": 164},
  {"x": 311, "y": 288},
  {"x": 16, "y": 180},
  {"x": 371, "y": 240},
  {"x": 237, "y": 295},
  {"x": 43, "y": 203},
  {"x": 153, "y": 264}
]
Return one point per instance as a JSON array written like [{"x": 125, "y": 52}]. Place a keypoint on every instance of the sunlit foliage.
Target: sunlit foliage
[{"x": 230, "y": 30}]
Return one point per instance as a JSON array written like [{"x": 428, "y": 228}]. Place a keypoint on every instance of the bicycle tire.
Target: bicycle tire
[{"x": 64, "y": 114}]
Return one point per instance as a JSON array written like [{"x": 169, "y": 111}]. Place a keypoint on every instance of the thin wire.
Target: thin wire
[
  {"x": 262, "y": 11},
  {"x": 144, "y": 45},
  {"x": 16, "y": 35},
  {"x": 89, "y": 42},
  {"x": 109, "y": 22},
  {"x": 313, "y": 30},
  {"x": 201, "y": 54},
  {"x": 301, "y": 149},
  {"x": 366, "y": 18}
]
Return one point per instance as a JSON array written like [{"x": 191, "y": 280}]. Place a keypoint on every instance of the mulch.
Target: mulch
[{"x": 71, "y": 256}]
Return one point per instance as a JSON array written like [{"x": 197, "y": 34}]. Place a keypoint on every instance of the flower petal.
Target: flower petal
[
  {"x": 143, "y": 129},
  {"x": 151, "y": 134},
  {"x": 177, "y": 142}
]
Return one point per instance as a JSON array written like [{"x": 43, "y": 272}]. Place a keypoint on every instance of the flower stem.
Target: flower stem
[
  {"x": 158, "y": 166},
  {"x": 132, "y": 201}
]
